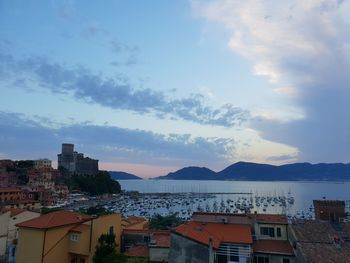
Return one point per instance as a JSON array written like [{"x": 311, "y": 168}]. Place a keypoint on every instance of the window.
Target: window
[
  {"x": 264, "y": 231},
  {"x": 286, "y": 260},
  {"x": 111, "y": 230},
  {"x": 279, "y": 232},
  {"x": 146, "y": 239},
  {"x": 74, "y": 237},
  {"x": 261, "y": 259},
  {"x": 267, "y": 231}
]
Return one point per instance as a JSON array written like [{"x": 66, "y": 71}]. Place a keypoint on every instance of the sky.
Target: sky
[{"x": 149, "y": 87}]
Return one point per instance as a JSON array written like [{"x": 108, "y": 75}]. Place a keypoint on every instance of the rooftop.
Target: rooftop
[
  {"x": 55, "y": 219},
  {"x": 280, "y": 247},
  {"x": 217, "y": 232},
  {"x": 221, "y": 218},
  {"x": 270, "y": 218},
  {"x": 317, "y": 240},
  {"x": 239, "y": 218},
  {"x": 138, "y": 251},
  {"x": 161, "y": 238}
]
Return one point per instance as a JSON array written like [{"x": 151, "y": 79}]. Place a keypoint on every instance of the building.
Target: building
[
  {"x": 7, "y": 178},
  {"x": 42, "y": 163},
  {"x": 64, "y": 237},
  {"x": 320, "y": 241},
  {"x": 75, "y": 162},
  {"x": 330, "y": 210},
  {"x": 4, "y": 222},
  {"x": 9, "y": 217},
  {"x": 271, "y": 242},
  {"x": 18, "y": 197},
  {"x": 135, "y": 223},
  {"x": 152, "y": 245},
  {"x": 224, "y": 238}
]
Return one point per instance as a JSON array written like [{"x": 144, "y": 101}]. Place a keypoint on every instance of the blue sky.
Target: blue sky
[{"x": 151, "y": 86}]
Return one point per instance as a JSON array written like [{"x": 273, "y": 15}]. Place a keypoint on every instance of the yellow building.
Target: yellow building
[{"x": 64, "y": 237}]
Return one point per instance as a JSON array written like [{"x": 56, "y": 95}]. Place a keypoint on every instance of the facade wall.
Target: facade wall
[
  {"x": 101, "y": 226},
  {"x": 56, "y": 245},
  {"x": 184, "y": 250},
  {"x": 82, "y": 245},
  {"x": 24, "y": 216},
  {"x": 158, "y": 254},
  {"x": 30, "y": 246},
  {"x": 284, "y": 233},
  {"x": 4, "y": 222}
]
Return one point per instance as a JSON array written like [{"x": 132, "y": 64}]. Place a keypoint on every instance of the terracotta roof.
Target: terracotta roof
[
  {"x": 80, "y": 228},
  {"x": 218, "y": 233},
  {"x": 162, "y": 239},
  {"x": 272, "y": 247},
  {"x": 221, "y": 218},
  {"x": 270, "y": 218},
  {"x": 55, "y": 219},
  {"x": 10, "y": 190},
  {"x": 138, "y": 251},
  {"x": 132, "y": 221}
]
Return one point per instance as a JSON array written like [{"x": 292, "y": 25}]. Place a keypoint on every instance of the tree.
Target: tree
[
  {"x": 165, "y": 222},
  {"x": 105, "y": 250}
]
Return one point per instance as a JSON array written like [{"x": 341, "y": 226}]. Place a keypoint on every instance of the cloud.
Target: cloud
[
  {"x": 116, "y": 93},
  {"x": 24, "y": 138},
  {"x": 302, "y": 45}
]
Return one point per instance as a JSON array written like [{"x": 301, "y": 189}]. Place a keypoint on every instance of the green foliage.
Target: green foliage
[
  {"x": 105, "y": 251},
  {"x": 46, "y": 210},
  {"x": 165, "y": 222},
  {"x": 96, "y": 210},
  {"x": 98, "y": 184},
  {"x": 25, "y": 164}
]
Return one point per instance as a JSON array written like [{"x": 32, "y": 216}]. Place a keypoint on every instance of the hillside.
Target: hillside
[
  {"x": 116, "y": 175},
  {"x": 266, "y": 172},
  {"x": 191, "y": 173}
]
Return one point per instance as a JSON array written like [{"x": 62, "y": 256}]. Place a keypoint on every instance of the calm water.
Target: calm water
[{"x": 303, "y": 192}]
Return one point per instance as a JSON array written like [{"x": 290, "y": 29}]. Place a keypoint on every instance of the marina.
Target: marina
[{"x": 149, "y": 197}]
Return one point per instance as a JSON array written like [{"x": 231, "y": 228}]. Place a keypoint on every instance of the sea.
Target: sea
[{"x": 302, "y": 193}]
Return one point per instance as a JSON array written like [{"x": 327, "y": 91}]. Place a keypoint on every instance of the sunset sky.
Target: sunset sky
[{"x": 149, "y": 87}]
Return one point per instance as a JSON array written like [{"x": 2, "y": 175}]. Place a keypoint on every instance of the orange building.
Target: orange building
[{"x": 64, "y": 237}]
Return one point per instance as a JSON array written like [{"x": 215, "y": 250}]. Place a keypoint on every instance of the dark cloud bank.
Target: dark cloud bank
[{"x": 23, "y": 138}]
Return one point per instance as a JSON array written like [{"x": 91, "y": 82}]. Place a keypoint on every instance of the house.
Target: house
[
  {"x": 320, "y": 241},
  {"x": 152, "y": 245},
  {"x": 4, "y": 222},
  {"x": 64, "y": 237},
  {"x": 271, "y": 243},
  {"x": 135, "y": 222},
  {"x": 226, "y": 238},
  {"x": 330, "y": 210},
  {"x": 200, "y": 242},
  {"x": 19, "y": 197},
  {"x": 9, "y": 217}
]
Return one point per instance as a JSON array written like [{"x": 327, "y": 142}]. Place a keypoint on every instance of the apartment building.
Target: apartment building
[
  {"x": 9, "y": 218},
  {"x": 227, "y": 238},
  {"x": 64, "y": 237}
]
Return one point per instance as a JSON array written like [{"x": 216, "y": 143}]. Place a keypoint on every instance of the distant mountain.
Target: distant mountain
[
  {"x": 267, "y": 172},
  {"x": 191, "y": 173},
  {"x": 123, "y": 176}
]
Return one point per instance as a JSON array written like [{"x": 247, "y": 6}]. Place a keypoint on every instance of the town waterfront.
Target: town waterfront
[{"x": 302, "y": 193}]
